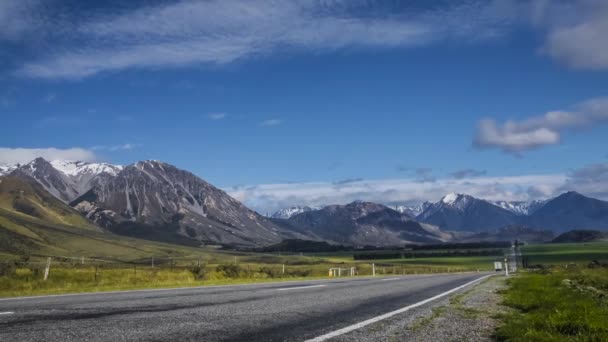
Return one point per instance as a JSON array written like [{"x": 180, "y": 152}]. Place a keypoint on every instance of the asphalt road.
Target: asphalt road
[{"x": 288, "y": 311}]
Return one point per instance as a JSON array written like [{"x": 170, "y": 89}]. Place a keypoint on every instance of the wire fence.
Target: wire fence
[{"x": 200, "y": 269}]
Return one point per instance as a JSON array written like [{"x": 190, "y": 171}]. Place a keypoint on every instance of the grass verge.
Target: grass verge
[{"x": 560, "y": 304}]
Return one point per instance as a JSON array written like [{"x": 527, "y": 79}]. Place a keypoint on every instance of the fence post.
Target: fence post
[
  {"x": 283, "y": 268},
  {"x": 47, "y": 269},
  {"x": 152, "y": 262},
  {"x": 373, "y": 270},
  {"x": 82, "y": 260}
]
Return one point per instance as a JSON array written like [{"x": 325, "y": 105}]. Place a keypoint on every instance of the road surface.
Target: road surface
[{"x": 287, "y": 311}]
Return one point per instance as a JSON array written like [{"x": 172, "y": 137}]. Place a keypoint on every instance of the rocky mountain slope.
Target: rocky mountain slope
[
  {"x": 149, "y": 195},
  {"x": 364, "y": 223}
]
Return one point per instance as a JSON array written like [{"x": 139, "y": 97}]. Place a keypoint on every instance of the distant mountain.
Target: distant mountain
[
  {"x": 571, "y": 211},
  {"x": 522, "y": 208},
  {"x": 152, "y": 199},
  {"x": 581, "y": 236},
  {"x": 365, "y": 223},
  {"x": 289, "y": 212},
  {"x": 412, "y": 210},
  {"x": 457, "y": 212},
  {"x": 510, "y": 233}
]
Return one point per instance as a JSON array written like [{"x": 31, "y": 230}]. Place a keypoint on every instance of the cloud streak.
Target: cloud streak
[
  {"x": 270, "y": 197},
  {"x": 216, "y": 32},
  {"x": 271, "y": 122},
  {"x": 518, "y": 136}
]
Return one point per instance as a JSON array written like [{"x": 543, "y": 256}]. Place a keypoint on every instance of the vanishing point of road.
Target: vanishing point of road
[{"x": 288, "y": 311}]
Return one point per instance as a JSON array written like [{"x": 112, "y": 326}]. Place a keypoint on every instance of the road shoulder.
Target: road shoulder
[{"x": 468, "y": 315}]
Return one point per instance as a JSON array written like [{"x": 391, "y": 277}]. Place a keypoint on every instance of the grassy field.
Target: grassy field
[
  {"x": 565, "y": 253},
  {"x": 563, "y": 304}
]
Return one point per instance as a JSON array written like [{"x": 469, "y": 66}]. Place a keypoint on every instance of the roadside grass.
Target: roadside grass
[
  {"x": 27, "y": 279},
  {"x": 562, "y": 304}
]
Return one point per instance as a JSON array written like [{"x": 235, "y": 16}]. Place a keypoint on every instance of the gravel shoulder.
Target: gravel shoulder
[{"x": 468, "y": 315}]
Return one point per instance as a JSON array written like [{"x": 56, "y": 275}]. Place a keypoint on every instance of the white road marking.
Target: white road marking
[
  {"x": 6, "y": 313},
  {"x": 389, "y": 314},
  {"x": 389, "y": 279},
  {"x": 299, "y": 287}
]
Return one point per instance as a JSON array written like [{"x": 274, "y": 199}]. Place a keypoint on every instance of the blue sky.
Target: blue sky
[{"x": 317, "y": 102}]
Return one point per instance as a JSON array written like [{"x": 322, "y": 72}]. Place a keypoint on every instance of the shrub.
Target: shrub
[
  {"x": 230, "y": 270},
  {"x": 198, "y": 271},
  {"x": 7, "y": 268}
]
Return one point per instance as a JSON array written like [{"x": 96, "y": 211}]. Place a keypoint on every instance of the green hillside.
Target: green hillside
[{"x": 26, "y": 196}]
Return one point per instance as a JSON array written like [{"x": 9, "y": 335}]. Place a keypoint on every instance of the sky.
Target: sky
[{"x": 313, "y": 102}]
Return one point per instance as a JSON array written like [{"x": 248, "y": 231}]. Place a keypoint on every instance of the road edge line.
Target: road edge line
[{"x": 390, "y": 314}]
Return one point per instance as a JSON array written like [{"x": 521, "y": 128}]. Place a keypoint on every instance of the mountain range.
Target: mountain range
[
  {"x": 364, "y": 223},
  {"x": 155, "y": 200}
]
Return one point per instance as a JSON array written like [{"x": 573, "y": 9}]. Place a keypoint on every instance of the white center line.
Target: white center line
[
  {"x": 389, "y": 314},
  {"x": 389, "y": 279},
  {"x": 299, "y": 287},
  {"x": 7, "y": 313}
]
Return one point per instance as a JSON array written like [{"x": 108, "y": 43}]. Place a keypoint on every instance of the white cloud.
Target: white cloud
[
  {"x": 271, "y": 122},
  {"x": 270, "y": 197},
  {"x": 11, "y": 156},
  {"x": 217, "y": 116},
  {"x": 578, "y": 38},
  {"x": 535, "y": 132}
]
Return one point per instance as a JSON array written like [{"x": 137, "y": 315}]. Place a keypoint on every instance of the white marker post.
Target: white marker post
[
  {"x": 506, "y": 268},
  {"x": 373, "y": 270},
  {"x": 47, "y": 269}
]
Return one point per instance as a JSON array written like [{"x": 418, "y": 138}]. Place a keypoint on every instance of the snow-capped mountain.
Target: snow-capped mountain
[
  {"x": 460, "y": 212},
  {"x": 289, "y": 212},
  {"x": 365, "y": 223},
  {"x": 152, "y": 198},
  {"x": 521, "y": 207},
  {"x": 412, "y": 210},
  {"x": 66, "y": 180}
]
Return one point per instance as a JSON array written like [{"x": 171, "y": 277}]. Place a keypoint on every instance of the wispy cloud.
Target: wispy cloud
[
  {"x": 591, "y": 179},
  {"x": 113, "y": 148},
  {"x": 517, "y": 136},
  {"x": 271, "y": 122},
  {"x": 223, "y": 31},
  {"x": 50, "y": 97},
  {"x": 11, "y": 156},
  {"x": 188, "y": 32},
  {"x": 468, "y": 173},
  {"x": 269, "y": 197},
  {"x": 217, "y": 116}
]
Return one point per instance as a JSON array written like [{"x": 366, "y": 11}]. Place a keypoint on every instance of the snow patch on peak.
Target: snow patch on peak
[
  {"x": 450, "y": 198},
  {"x": 78, "y": 168},
  {"x": 289, "y": 212},
  {"x": 6, "y": 169}
]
